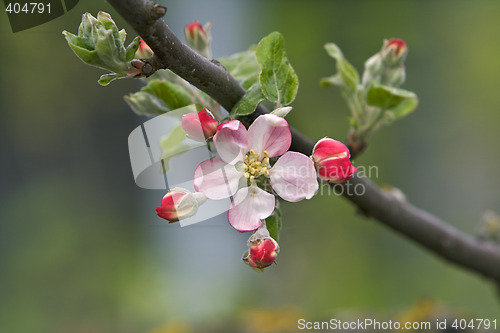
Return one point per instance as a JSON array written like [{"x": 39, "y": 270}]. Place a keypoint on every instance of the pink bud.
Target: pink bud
[
  {"x": 331, "y": 158},
  {"x": 262, "y": 253},
  {"x": 198, "y": 38},
  {"x": 200, "y": 126},
  {"x": 179, "y": 204},
  {"x": 394, "y": 51},
  {"x": 136, "y": 70},
  {"x": 193, "y": 29},
  {"x": 144, "y": 51}
]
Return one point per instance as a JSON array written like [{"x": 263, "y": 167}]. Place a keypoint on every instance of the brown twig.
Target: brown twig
[{"x": 418, "y": 225}]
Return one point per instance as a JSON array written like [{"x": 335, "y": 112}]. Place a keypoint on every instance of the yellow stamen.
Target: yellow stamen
[{"x": 254, "y": 166}]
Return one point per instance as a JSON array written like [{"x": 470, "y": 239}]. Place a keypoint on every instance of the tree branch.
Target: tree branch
[{"x": 416, "y": 224}]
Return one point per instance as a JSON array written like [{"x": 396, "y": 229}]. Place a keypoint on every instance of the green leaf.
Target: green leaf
[
  {"x": 273, "y": 223},
  {"x": 105, "y": 79},
  {"x": 395, "y": 102},
  {"x": 174, "y": 143},
  {"x": 100, "y": 44},
  {"x": 171, "y": 94},
  {"x": 347, "y": 75},
  {"x": 278, "y": 79},
  {"x": 132, "y": 48},
  {"x": 146, "y": 104},
  {"x": 247, "y": 104},
  {"x": 243, "y": 67}
]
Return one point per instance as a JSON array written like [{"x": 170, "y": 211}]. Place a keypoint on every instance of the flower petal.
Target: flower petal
[
  {"x": 250, "y": 205},
  {"x": 293, "y": 177},
  {"x": 327, "y": 147},
  {"x": 216, "y": 179},
  {"x": 336, "y": 169},
  {"x": 231, "y": 141},
  {"x": 270, "y": 133}
]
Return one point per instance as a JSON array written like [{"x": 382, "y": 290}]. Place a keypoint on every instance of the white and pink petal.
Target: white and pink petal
[
  {"x": 269, "y": 133},
  {"x": 293, "y": 177},
  {"x": 231, "y": 141},
  {"x": 216, "y": 179},
  {"x": 249, "y": 207}
]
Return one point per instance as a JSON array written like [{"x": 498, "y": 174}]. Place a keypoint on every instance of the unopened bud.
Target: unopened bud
[
  {"x": 263, "y": 249},
  {"x": 144, "y": 51},
  {"x": 179, "y": 204},
  {"x": 331, "y": 158},
  {"x": 394, "y": 51},
  {"x": 387, "y": 67},
  {"x": 198, "y": 38},
  {"x": 200, "y": 126}
]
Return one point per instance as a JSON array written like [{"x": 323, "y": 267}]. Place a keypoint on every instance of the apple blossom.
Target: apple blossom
[
  {"x": 179, "y": 204},
  {"x": 262, "y": 249},
  {"x": 331, "y": 158},
  {"x": 200, "y": 126},
  {"x": 245, "y": 166}
]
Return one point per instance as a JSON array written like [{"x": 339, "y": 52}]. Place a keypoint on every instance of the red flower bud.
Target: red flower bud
[
  {"x": 394, "y": 51},
  {"x": 200, "y": 126},
  {"x": 263, "y": 253},
  {"x": 144, "y": 51},
  {"x": 263, "y": 249},
  {"x": 193, "y": 29},
  {"x": 198, "y": 38},
  {"x": 179, "y": 204},
  {"x": 331, "y": 158}
]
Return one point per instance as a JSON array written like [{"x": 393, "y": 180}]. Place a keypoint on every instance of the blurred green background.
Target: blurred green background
[{"x": 81, "y": 248}]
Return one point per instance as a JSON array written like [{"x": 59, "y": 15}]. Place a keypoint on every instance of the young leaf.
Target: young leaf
[
  {"x": 132, "y": 48},
  {"x": 273, "y": 223},
  {"x": 278, "y": 79},
  {"x": 347, "y": 75},
  {"x": 146, "y": 104},
  {"x": 173, "y": 95},
  {"x": 247, "y": 104},
  {"x": 100, "y": 44},
  {"x": 394, "y": 101},
  {"x": 105, "y": 79},
  {"x": 175, "y": 143},
  {"x": 243, "y": 67}
]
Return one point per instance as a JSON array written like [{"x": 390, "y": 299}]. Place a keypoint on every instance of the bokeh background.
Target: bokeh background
[{"x": 82, "y": 250}]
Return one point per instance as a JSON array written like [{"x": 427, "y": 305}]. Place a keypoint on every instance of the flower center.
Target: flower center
[{"x": 254, "y": 166}]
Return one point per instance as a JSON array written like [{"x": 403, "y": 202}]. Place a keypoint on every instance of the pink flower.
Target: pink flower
[
  {"x": 200, "y": 126},
  {"x": 244, "y": 165},
  {"x": 331, "y": 158},
  {"x": 179, "y": 204},
  {"x": 144, "y": 51}
]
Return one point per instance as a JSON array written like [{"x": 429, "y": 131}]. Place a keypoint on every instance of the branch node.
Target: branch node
[{"x": 156, "y": 11}]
